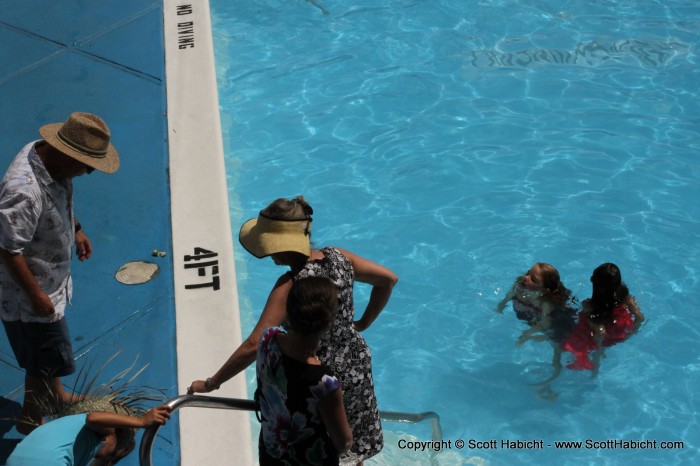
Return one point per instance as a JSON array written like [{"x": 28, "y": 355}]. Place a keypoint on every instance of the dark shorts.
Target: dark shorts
[{"x": 41, "y": 349}]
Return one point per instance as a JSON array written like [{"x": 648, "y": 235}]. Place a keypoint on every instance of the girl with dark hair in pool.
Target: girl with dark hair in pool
[
  {"x": 609, "y": 317},
  {"x": 282, "y": 231}
]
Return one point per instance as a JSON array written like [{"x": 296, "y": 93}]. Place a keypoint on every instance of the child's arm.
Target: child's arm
[
  {"x": 597, "y": 355},
  {"x": 509, "y": 295},
  {"x": 104, "y": 423},
  {"x": 543, "y": 323},
  {"x": 333, "y": 414},
  {"x": 634, "y": 309}
]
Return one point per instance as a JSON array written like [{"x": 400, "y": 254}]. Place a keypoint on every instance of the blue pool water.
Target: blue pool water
[{"x": 458, "y": 142}]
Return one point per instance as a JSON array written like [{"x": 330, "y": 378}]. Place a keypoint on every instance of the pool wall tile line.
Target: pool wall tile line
[{"x": 206, "y": 299}]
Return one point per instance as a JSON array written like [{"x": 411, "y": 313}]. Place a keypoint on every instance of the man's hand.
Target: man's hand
[
  {"x": 42, "y": 305},
  {"x": 83, "y": 248},
  {"x": 23, "y": 277}
]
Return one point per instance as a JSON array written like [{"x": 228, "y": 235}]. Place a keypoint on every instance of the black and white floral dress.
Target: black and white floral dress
[{"x": 345, "y": 351}]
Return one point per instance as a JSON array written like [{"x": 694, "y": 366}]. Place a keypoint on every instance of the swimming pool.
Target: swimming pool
[{"x": 458, "y": 143}]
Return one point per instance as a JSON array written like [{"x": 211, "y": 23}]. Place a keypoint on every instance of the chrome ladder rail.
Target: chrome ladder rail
[
  {"x": 203, "y": 401},
  {"x": 411, "y": 418}
]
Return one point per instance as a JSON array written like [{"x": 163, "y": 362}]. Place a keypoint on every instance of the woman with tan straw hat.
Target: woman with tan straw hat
[
  {"x": 282, "y": 231},
  {"x": 37, "y": 232}
]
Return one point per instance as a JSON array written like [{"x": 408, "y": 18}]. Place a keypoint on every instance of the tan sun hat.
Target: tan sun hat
[
  {"x": 84, "y": 137},
  {"x": 264, "y": 236},
  {"x": 104, "y": 404}
]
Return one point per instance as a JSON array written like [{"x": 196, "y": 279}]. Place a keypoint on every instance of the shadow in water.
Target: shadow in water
[
  {"x": 647, "y": 54},
  {"x": 9, "y": 410}
]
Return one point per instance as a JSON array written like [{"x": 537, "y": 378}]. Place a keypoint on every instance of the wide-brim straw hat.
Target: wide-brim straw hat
[
  {"x": 264, "y": 236},
  {"x": 104, "y": 404},
  {"x": 84, "y": 137}
]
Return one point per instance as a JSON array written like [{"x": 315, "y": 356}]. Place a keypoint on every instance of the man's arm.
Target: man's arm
[
  {"x": 23, "y": 276},
  {"x": 83, "y": 248}
]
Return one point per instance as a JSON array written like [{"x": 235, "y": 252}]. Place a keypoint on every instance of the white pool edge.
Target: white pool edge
[{"x": 207, "y": 320}]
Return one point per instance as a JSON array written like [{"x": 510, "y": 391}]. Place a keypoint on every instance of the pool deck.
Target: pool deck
[{"x": 147, "y": 68}]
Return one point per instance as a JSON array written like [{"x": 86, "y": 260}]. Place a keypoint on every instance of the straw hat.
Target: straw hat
[
  {"x": 108, "y": 404},
  {"x": 105, "y": 404},
  {"x": 84, "y": 137},
  {"x": 264, "y": 236}
]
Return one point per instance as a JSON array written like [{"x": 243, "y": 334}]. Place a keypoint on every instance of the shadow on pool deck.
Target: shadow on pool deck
[{"x": 9, "y": 409}]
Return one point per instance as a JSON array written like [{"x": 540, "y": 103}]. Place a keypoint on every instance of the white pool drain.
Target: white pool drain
[{"x": 136, "y": 272}]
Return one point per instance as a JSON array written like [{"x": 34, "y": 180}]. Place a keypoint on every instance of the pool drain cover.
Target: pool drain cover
[{"x": 136, "y": 272}]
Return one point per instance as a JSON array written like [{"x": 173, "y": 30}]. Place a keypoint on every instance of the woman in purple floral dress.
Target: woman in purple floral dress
[{"x": 282, "y": 231}]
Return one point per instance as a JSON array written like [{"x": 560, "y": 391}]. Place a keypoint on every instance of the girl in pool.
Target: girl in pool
[
  {"x": 540, "y": 299},
  {"x": 609, "y": 317},
  {"x": 282, "y": 231}
]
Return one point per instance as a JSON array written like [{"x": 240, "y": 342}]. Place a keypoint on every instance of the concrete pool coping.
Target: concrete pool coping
[{"x": 207, "y": 320}]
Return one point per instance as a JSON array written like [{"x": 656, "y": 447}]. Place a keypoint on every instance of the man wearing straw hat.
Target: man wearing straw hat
[{"x": 37, "y": 233}]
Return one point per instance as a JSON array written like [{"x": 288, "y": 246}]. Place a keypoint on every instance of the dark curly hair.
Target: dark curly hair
[
  {"x": 125, "y": 444},
  {"x": 311, "y": 305}
]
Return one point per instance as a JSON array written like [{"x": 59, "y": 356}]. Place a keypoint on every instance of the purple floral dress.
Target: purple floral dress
[
  {"x": 292, "y": 431},
  {"x": 346, "y": 352}
]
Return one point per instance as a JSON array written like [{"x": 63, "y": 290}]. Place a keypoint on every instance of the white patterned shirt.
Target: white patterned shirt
[{"x": 36, "y": 221}]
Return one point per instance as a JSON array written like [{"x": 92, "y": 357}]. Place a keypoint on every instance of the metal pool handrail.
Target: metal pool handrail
[
  {"x": 411, "y": 418},
  {"x": 203, "y": 401}
]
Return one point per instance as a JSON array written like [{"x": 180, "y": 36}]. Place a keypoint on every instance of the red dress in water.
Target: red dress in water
[{"x": 581, "y": 340}]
